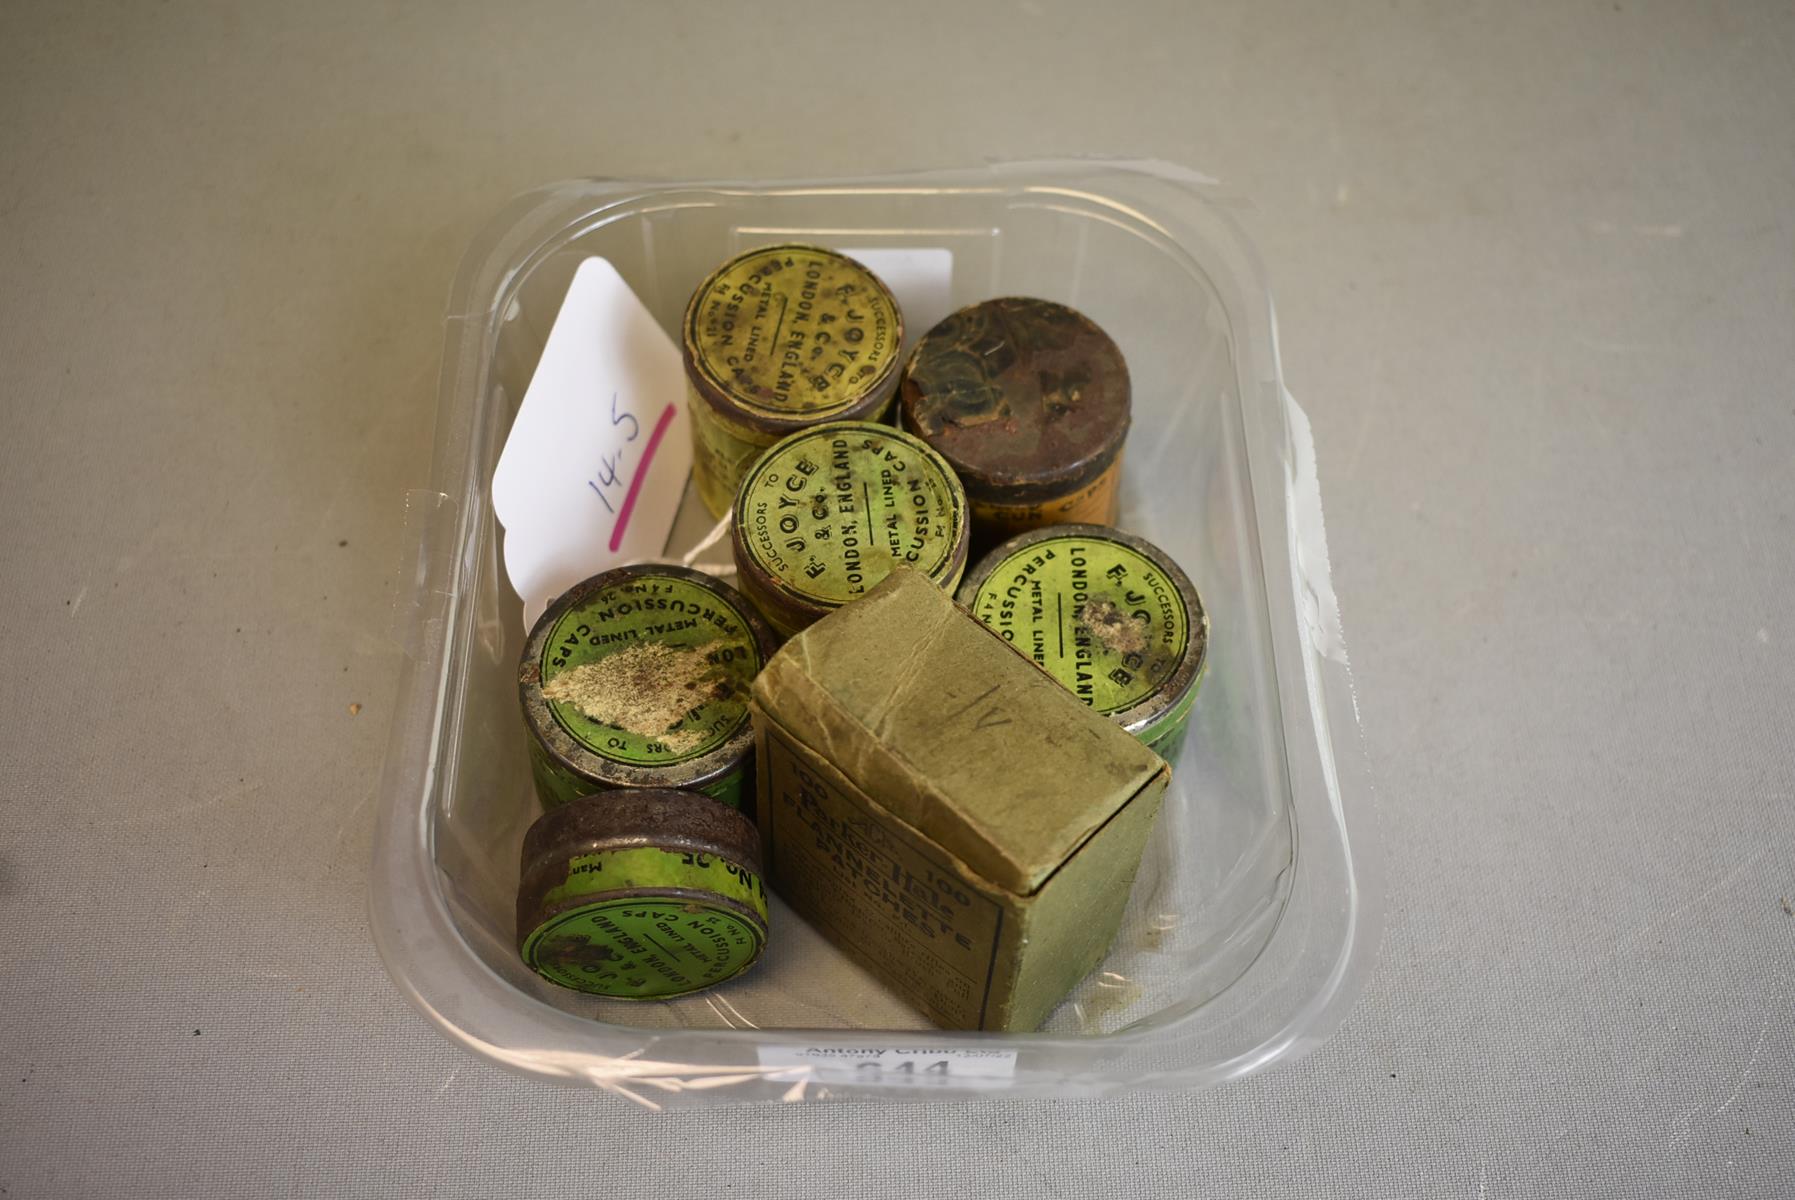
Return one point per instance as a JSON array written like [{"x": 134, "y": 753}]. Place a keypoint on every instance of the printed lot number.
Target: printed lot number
[{"x": 979, "y": 1068}]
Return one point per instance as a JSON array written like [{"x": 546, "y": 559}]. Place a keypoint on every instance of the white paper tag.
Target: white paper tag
[
  {"x": 922, "y": 279},
  {"x": 598, "y": 456},
  {"x": 923, "y": 1067}
]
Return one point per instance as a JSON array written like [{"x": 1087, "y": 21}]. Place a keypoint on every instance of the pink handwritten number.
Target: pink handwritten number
[{"x": 635, "y": 484}]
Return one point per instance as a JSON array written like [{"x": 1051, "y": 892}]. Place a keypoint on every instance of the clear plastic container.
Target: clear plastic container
[{"x": 1255, "y": 916}]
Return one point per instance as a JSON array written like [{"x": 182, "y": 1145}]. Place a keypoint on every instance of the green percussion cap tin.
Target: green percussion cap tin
[
  {"x": 641, "y": 895},
  {"x": 776, "y": 340},
  {"x": 826, "y": 514},
  {"x": 1109, "y": 615},
  {"x": 639, "y": 677}
]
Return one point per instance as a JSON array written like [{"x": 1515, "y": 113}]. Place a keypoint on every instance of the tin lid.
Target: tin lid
[
  {"x": 784, "y": 336},
  {"x": 827, "y": 513},
  {"x": 1108, "y": 614},
  {"x": 1027, "y": 399},
  {"x": 641, "y": 894},
  {"x": 639, "y": 677}
]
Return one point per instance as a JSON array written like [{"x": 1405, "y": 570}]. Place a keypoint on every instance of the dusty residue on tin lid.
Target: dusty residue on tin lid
[
  {"x": 1119, "y": 632},
  {"x": 641, "y": 895},
  {"x": 638, "y": 678},
  {"x": 647, "y": 689}
]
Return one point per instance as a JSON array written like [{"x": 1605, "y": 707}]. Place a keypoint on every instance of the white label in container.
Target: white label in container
[
  {"x": 922, "y": 279},
  {"x": 592, "y": 472}
]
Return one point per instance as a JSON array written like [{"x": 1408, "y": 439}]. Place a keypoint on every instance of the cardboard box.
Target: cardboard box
[{"x": 944, "y": 812}]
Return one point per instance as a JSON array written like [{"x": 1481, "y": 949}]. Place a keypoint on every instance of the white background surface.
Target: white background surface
[{"x": 1535, "y": 264}]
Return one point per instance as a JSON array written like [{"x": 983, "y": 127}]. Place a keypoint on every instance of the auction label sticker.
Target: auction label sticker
[{"x": 922, "y": 1067}]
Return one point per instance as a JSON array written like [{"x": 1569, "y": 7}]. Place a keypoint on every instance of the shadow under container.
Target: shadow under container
[{"x": 776, "y": 340}]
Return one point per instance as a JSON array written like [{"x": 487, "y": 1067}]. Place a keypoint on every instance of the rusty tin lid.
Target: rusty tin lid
[
  {"x": 1027, "y": 399},
  {"x": 641, "y": 894}
]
